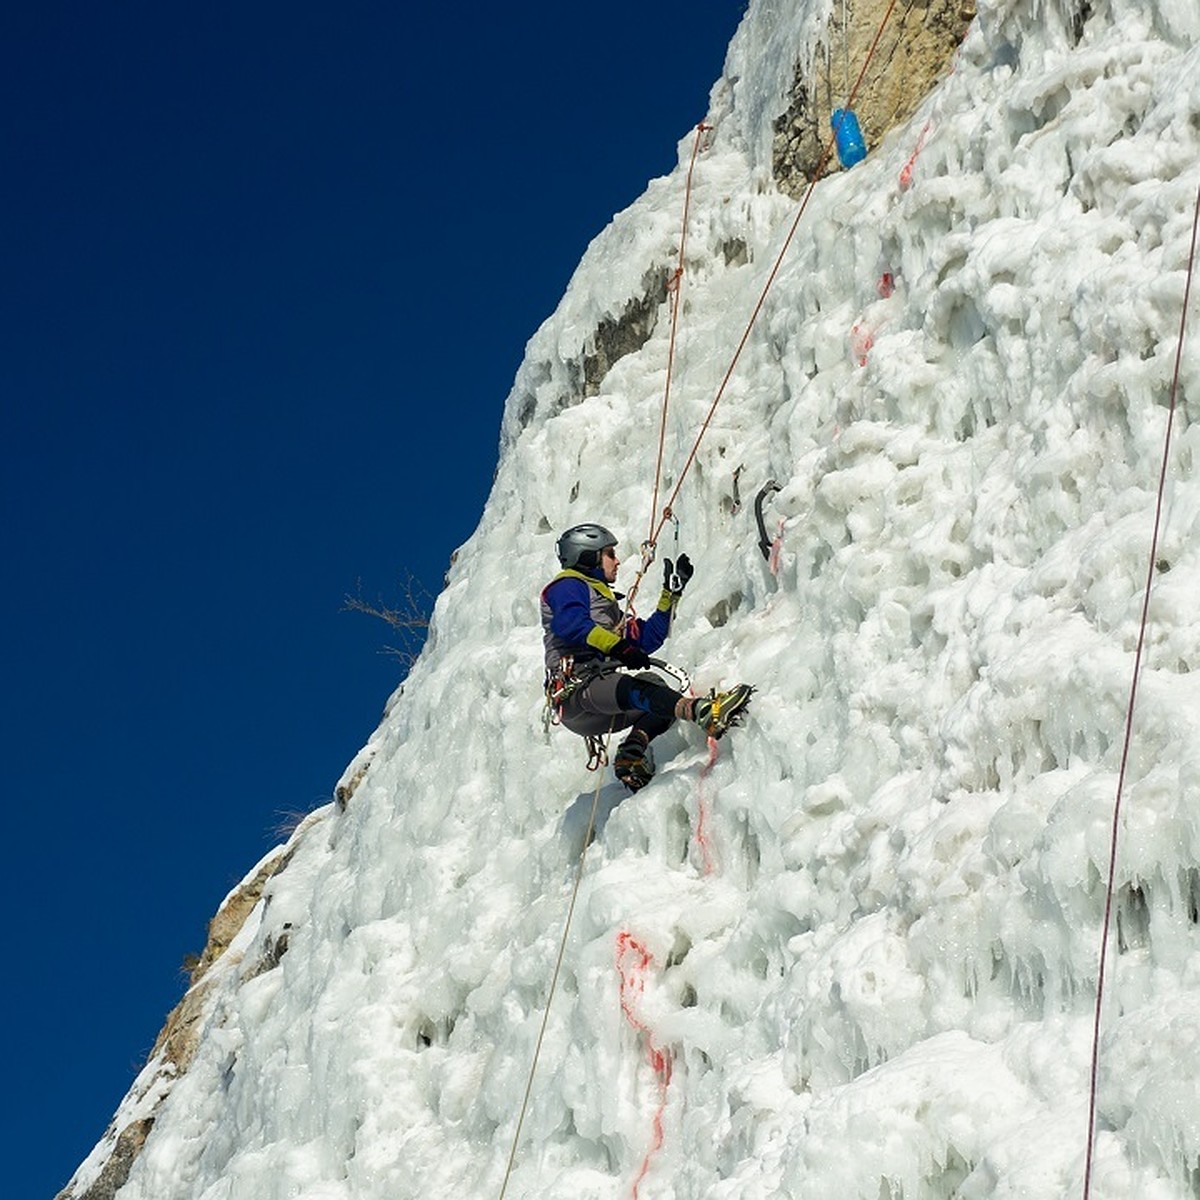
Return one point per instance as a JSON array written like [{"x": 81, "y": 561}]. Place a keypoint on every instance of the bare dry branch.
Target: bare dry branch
[{"x": 408, "y": 616}]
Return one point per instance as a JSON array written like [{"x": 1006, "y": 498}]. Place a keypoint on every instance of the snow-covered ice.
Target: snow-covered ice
[{"x": 857, "y": 956}]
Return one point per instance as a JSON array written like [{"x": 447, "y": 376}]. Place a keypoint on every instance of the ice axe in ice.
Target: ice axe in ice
[{"x": 764, "y": 542}]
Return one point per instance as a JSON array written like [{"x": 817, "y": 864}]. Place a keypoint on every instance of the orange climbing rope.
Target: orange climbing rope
[
  {"x": 676, "y": 287},
  {"x": 656, "y": 528},
  {"x": 1137, "y": 666},
  {"x": 656, "y": 525},
  {"x": 558, "y": 962}
]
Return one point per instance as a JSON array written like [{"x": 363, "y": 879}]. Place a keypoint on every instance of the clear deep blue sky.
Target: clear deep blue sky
[{"x": 266, "y": 273}]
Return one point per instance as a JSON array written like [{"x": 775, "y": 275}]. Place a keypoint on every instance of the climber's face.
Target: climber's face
[{"x": 609, "y": 562}]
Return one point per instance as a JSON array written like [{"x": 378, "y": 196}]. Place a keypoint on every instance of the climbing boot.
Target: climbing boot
[
  {"x": 716, "y": 712},
  {"x": 634, "y": 762}
]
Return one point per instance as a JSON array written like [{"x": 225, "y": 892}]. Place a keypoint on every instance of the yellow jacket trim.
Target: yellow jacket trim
[
  {"x": 598, "y": 637},
  {"x": 603, "y": 639},
  {"x": 571, "y": 573}
]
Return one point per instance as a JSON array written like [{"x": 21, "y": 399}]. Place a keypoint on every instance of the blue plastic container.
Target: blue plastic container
[{"x": 850, "y": 146}]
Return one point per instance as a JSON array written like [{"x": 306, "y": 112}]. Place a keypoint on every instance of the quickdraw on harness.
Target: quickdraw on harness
[
  {"x": 560, "y": 687},
  {"x": 597, "y": 748}
]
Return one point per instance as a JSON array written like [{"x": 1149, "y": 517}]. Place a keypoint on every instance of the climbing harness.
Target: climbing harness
[
  {"x": 567, "y": 680},
  {"x": 560, "y": 687},
  {"x": 1137, "y": 668}
]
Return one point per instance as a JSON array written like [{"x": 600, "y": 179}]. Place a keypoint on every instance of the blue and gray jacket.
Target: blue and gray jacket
[{"x": 581, "y": 617}]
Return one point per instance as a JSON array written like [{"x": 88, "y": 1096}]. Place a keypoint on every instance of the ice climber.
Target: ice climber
[{"x": 596, "y": 659}]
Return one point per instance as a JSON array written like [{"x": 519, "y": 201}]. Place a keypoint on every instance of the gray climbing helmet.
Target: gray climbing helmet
[{"x": 580, "y": 545}]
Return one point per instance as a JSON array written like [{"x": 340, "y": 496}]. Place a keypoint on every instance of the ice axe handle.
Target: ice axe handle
[{"x": 764, "y": 542}]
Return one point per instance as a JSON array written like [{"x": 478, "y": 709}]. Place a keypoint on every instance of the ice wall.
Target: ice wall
[{"x": 855, "y": 956}]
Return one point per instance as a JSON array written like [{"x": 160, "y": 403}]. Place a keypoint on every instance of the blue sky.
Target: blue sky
[{"x": 266, "y": 274}]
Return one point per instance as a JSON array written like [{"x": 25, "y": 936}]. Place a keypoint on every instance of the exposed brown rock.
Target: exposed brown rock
[
  {"x": 177, "y": 1043},
  {"x": 179, "y": 1036},
  {"x": 120, "y": 1163},
  {"x": 916, "y": 48},
  {"x": 614, "y": 339}
]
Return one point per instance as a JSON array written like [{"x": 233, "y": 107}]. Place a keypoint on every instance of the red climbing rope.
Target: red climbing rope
[
  {"x": 656, "y": 527},
  {"x": 676, "y": 287},
  {"x": 737, "y": 354},
  {"x": 1137, "y": 665}
]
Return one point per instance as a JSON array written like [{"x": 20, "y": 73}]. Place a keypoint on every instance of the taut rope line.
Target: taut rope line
[
  {"x": 1137, "y": 665},
  {"x": 676, "y": 305},
  {"x": 656, "y": 527},
  {"x": 558, "y": 962}
]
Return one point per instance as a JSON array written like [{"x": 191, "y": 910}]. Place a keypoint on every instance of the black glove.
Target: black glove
[
  {"x": 677, "y": 574},
  {"x": 629, "y": 655}
]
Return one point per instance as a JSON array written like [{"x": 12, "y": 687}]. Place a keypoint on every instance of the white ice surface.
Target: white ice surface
[{"x": 870, "y": 934}]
